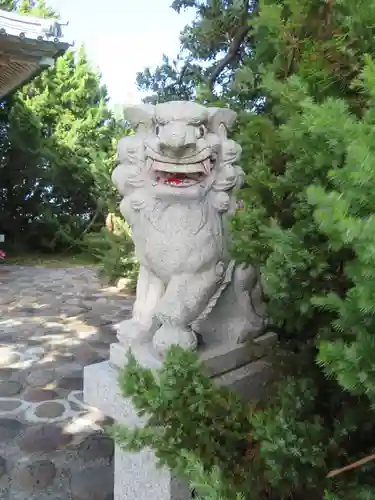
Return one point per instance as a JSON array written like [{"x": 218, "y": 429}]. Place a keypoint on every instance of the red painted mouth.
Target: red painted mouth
[
  {"x": 179, "y": 178},
  {"x": 175, "y": 179}
]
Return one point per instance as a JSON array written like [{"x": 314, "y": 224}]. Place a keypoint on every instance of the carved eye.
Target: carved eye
[
  {"x": 202, "y": 131},
  {"x": 157, "y": 130}
]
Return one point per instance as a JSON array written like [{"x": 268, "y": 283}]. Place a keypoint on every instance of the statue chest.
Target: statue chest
[{"x": 178, "y": 240}]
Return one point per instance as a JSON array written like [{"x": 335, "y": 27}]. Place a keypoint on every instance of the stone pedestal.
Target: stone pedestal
[
  {"x": 243, "y": 369},
  {"x": 136, "y": 475}
]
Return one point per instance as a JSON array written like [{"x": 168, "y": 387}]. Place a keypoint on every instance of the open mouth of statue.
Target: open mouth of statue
[
  {"x": 178, "y": 179},
  {"x": 181, "y": 175}
]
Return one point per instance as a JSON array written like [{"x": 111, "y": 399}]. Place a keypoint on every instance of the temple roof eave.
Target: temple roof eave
[{"x": 27, "y": 46}]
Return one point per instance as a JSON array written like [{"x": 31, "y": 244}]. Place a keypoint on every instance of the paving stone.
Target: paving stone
[
  {"x": 85, "y": 354},
  {"x": 91, "y": 358},
  {"x": 106, "y": 422},
  {"x": 96, "y": 445},
  {"x": 9, "y": 404},
  {"x": 35, "y": 475},
  {"x": 95, "y": 319},
  {"x": 66, "y": 357},
  {"x": 73, "y": 302},
  {"x": 73, "y": 382},
  {"x": 88, "y": 330},
  {"x": 4, "y": 301},
  {"x": 9, "y": 373},
  {"x": 79, "y": 396},
  {"x": 3, "y": 466},
  {"x": 109, "y": 330},
  {"x": 40, "y": 378},
  {"x": 28, "y": 310},
  {"x": 92, "y": 484},
  {"x": 43, "y": 438},
  {"x": 49, "y": 409},
  {"x": 8, "y": 357},
  {"x": 75, "y": 407},
  {"x": 101, "y": 343},
  {"x": 39, "y": 395},
  {"x": 9, "y": 429},
  {"x": 7, "y": 338},
  {"x": 53, "y": 328},
  {"x": 9, "y": 388},
  {"x": 72, "y": 310},
  {"x": 69, "y": 368}
]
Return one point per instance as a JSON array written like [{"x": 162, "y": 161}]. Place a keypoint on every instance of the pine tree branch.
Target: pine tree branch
[
  {"x": 89, "y": 226},
  {"x": 183, "y": 71},
  {"x": 352, "y": 466},
  {"x": 234, "y": 47}
]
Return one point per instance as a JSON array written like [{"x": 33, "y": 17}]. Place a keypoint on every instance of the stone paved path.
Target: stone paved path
[{"x": 53, "y": 322}]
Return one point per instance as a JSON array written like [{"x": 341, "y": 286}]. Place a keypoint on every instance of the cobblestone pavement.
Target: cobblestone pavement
[{"x": 53, "y": 322}]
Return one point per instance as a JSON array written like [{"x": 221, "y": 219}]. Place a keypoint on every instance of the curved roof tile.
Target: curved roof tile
[{"x": 27, "y": 46}]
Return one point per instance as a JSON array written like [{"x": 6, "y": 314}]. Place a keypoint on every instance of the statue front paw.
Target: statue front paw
[
  {"x": 169, "y": 334},
  {"x": 131, "y": 332}
]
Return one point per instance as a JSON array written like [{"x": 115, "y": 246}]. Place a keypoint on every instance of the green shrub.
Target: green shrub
[
  {"x": 114, "y": 252},
  {"x": 230, "y": 450},
  {"x": 209, "y": 435},
  {"x": 308, "y": 223}
]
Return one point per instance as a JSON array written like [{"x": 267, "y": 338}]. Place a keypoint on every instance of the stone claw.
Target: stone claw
[
  {"x": 169, "y": 334},
  {"x": 131, "y": 332}
]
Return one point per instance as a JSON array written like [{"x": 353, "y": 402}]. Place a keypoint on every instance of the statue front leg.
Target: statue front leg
[
  {"x": 143, "y": 324},
  {"x": 184, "y": 300}
]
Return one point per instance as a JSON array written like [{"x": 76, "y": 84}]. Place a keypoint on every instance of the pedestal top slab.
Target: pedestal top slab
[{"x": 218, "y": 359}]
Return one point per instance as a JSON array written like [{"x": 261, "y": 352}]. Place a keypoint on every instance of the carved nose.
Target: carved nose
[{"x": 177, "y": 141}]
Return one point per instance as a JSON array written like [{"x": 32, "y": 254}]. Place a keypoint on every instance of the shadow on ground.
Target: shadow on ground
[{"x": 53, "y": 322}]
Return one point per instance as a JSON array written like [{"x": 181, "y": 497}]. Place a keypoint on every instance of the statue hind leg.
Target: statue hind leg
[{"x": 238, "y": 314}]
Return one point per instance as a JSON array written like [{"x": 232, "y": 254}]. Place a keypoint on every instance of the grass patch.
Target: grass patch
[{"x": 50, "y": 260}]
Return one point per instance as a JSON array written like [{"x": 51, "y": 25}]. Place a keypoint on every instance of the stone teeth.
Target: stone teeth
[
  {"x": 149, "y": 163},
  {"x": 206, "y": 166},
  {"x": 189, "y": 168}
]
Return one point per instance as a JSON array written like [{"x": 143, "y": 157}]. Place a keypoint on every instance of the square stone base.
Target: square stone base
[
  {"x": 136, "y": 474},
  {"x": 136, "y": 477}
]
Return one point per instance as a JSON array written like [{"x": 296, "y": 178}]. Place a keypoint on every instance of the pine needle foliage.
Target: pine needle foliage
[{"x": 303, "y": 80}]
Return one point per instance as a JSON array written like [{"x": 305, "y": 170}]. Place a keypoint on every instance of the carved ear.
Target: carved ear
[
  {"x": 219, "y": 117},
  {"x": 140, "y": 115}
]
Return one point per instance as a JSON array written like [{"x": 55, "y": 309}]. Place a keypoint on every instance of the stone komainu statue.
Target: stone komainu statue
[{"x": 178, "y": 175}]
